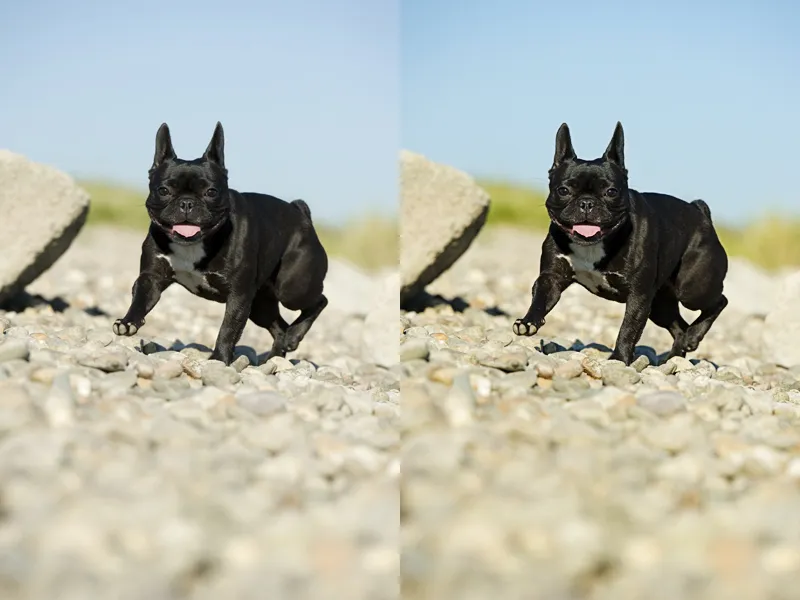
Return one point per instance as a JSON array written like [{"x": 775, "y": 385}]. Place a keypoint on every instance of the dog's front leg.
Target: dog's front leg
[
  {"x": 146, "y": 292},
  {"x": 547, "y": 290},
  {"x": 237, "y": 310},
  {"x": 637, "y": 311}
]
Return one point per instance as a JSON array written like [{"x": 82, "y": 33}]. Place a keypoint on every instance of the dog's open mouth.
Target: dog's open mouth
[
  {"x": 186, "y": 230},
  {"x": 586, "y": 231}
]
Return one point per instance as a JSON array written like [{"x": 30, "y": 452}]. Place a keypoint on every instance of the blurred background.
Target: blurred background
[
  {"x": 706, "y": 91},
  {"x": 308, "y": 94}
]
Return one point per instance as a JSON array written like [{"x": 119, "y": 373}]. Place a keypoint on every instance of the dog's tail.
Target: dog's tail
[
  {"x": 700, "y": 204},
  {"x": 302, "y": 207}
]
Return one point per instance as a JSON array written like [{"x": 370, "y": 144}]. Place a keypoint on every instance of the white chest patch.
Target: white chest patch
[
  {"x": 583, "y": 261},
  {"x": 183, "y": 260}
]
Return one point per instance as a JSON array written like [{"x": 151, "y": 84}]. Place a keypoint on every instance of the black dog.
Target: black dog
[
  {"x": 247, "y": 250},
  {"x": 647, "y": 250}
]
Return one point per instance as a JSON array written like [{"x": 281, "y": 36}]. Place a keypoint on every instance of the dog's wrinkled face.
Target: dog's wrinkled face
[
  {"x": 188, "y": 198},
  {"x": 588, "y": 199}
]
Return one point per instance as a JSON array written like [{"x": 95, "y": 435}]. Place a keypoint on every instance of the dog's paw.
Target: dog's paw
[
  {"x": 275, "y": 352},
  {"x": 223, "y": 357},
  {"x": 623, "y": 357},
  {"x": 689, "y": 344},
  {"x": 122, "y": 327},
  {"x": 523, "y": 327}
]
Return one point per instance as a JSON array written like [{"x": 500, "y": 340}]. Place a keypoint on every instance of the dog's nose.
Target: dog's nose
[
  {"x": 186, "y": 205},
  {"x": 585, "y": 205}
]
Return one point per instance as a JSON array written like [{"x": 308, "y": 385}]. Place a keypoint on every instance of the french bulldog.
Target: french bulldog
[
  {"x": 249, "y": 251},
  {"x": 647, "y": 250}
]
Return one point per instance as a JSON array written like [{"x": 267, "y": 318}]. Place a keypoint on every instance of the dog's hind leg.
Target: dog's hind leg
[
  {"x": 691, "y": 339},
  {"x": 299, "y": 285},
  {"x": 665, "y": 312},
  {"x": 698, "y": 286},
  {"x": 265, "y": 313},
  {"x": 299, "y": 328},
  {"x": 286, "y": 338}
]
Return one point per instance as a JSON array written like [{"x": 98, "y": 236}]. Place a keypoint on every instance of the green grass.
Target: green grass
[
  {"x": 116, "y": 205},
  {"x": 370, "y": 242},
  {"x": 772, "y": 241},
  {"x": 517, "y": 205}
]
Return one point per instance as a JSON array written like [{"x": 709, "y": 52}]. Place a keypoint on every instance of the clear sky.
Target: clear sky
[
  {"x": 307, "y": 90},
  {"x": 708, "y": 91}
]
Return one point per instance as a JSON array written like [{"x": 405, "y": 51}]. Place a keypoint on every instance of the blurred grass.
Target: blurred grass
[
  {"x": 517, "y": 205},
  {"x": 371, "y": 242},
  {"x": 772, "y": 241}
]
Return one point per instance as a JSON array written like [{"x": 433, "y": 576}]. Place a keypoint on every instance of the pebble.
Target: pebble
[
  {"x": 108, "y": 362},
  {"x": 13, "y": 349},
  {"x": 592, "y": 367},
  {"x": 662, "y": 404},
  {"x": 459, "y": 403},
  {"x": 570, "y": 475},
  {"x": 414, "y": 349},
  {"x": 192, "y": 368},
  {"x": 240, "y": 363},
  {"x": 620, "y": 375},
  {"x": 507, "y": 361},
  {"x": 262, "y": 403},
  {"x": 169, "y": 369},
  {"x": 59, "y": 404},
  {"x": 135, "y": 467},
  {"x": 216, "y": 374},
  {"x": 569, "y": 369},
  {"x": 276, "y": 364}
]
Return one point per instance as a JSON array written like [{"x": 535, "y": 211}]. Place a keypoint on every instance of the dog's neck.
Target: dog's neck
[{"x": 207, "y": 248}]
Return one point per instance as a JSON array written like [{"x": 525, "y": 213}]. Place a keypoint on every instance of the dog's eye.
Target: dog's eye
[
  {"x": 162, "y": 191},
  {"x": 612, "y": 192},
  {"x": 562, "y": 191},
  {"x": 211, "y": 193}
]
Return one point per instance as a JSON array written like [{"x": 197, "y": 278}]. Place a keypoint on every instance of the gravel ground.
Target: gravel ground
[
  {"x": 535, "y": 468},
  {"x": 135, "y": 468}
]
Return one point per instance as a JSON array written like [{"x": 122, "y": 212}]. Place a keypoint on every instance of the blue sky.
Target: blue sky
[
  {"x": 308, "y": 91},
  {"x": 707, "y": 92}
]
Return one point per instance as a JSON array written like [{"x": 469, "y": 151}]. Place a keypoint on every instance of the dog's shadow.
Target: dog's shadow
[
  {"x": 25, "y": 300},
  {"x": 425, "y": 300},
  {"x": 205, "y": 352},
  {"x": 652, "y": 355}
]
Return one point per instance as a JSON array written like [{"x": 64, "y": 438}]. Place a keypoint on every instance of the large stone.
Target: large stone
[
  {"x": 380, "y": 343},
  {"x": 44, "y": 210},
  {"x": 780, "y": 335},
  {"x": 442, "y": 210}
]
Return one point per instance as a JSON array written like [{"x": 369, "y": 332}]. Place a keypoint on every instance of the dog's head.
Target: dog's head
[
  {"x": 588, "y": 199},
  {"x": 188, "y": 199}
]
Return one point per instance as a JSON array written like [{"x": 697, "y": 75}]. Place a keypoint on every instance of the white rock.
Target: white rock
[
  {"x": 442, "y": 210},
  {"x": 45, "y": 210}
]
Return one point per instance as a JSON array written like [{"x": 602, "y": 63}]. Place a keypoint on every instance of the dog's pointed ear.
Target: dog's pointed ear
[
  {"x": 216, "y": 147},
  {"x": 564, "y": 149},
  {"x": 616, "y": 147},
  {"x": 164, "y": 149}
]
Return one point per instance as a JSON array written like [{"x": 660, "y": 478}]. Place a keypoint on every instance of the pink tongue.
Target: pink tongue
[
  {"x": 186, "y": 231},
  {"x": 586, "y": 231}
]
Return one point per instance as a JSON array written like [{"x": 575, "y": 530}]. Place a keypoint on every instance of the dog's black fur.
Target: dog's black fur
[
  {"x": 647, "y": 250},
  {"x": 249, "y": 251}
]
